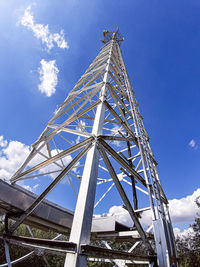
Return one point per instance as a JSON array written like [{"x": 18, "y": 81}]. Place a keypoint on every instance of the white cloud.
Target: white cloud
[
  {"x": 48, "y": 77},
  {"x": 117, "y": 143},
  {"x": 42, "y": 31},
  {"x": 53, "y": 167},
  {"x": 81, "y": 126},
  {"x": 176, "y": 231},
  {"x": 78, "y": 139},
  {"x": 3, "y": 142},
  {"x": 192, "y": 144},
  {"x": 184, "y": 209},
  {"x": 121, "y": 215},
  {"x": 114, "y": 131},
  {"x": 35, "y": 186},
  {"x": 28, "y": 187},
  {"x": 181, "y": 210},
  {"x": 184, "y": 234},
  {"x": 56, "y": 110},
  {"x": 12, "y": 156}
]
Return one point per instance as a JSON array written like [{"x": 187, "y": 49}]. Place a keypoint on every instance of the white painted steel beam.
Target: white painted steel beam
[{"x": 81, "y": 227}]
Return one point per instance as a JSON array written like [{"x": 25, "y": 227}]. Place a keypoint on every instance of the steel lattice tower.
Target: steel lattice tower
[{"x": 97, "y": 137}]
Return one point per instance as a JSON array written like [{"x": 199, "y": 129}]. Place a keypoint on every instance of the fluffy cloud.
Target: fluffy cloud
[
  {"x": 181, "y": 210},
  {"x": 114, "y": 131},
  {"x": 184, "y": 234},
  {"x": 3, "y": 142},
  {"x": 42, "y": 32},
  {"x": 184, "y": 209},
  {"x": 12, "y": 156},
  {"x": 28, "y": 187},
  {"x": 121, "y": 215},
  {"x": 48, "y": 76},
  {"x": 52, "y": 167},
  {"x": 81, "y": 126},
  {"x": 35, "y": 186},
  {"x": 56, "y": 110},
  {"x": 192, "y": 144}
]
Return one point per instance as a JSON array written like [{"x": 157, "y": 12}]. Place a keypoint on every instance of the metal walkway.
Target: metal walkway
[{"x": 48, "y": 215}]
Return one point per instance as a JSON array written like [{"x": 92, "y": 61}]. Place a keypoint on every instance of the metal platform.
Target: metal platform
[
  {"x": 61, "y": 247},
  {"x": 48, "y": 215}
]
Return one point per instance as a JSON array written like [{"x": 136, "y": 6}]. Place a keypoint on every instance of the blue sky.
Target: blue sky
[{"x": 161, "y": 52}]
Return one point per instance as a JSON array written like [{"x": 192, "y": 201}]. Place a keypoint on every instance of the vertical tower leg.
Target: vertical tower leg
[
  {"x": 81, "y": 227},
  {"x": 80, "y": 232},
  {"x": 163, "y": 253},
  {"x": 7, "y": 254}
]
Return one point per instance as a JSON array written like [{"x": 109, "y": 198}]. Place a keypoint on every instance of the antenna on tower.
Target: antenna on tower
[{"x": 112, "y": 35}]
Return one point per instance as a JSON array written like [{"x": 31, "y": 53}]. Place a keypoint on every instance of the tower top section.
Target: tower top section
[{"x": 112, "y": 35}]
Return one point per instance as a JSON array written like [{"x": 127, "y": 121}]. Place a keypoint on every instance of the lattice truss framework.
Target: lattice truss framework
[{"x": 126, "y": 164}]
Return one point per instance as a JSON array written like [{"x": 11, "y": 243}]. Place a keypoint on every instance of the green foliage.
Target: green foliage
[
  {"x": 99, "y": 264},
  {"x": 34, "y": 260},
  {"x": 188, "y": 247}
]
